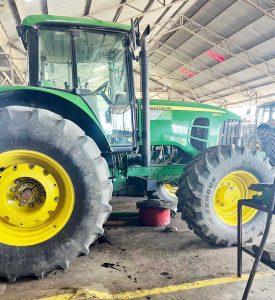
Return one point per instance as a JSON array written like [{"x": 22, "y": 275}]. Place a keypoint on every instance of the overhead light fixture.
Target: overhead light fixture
[
  {"x": 215, "y": 55},
  {"x": 186, "y": 72}
]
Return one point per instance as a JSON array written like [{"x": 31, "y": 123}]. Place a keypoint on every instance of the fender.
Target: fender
[{"x": 69, "y": 106}]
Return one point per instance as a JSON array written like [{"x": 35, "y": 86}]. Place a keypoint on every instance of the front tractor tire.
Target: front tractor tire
[
  {"x": 266, "y": 137},
  {"x": 54, "y": 192},
  {"x": 211, "y": 186},
  {"x": 166, "y": 191}
]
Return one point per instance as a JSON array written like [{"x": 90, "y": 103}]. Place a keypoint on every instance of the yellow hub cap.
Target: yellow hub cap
[
  {"x": 36, "y": 197},
  {"x": 229, "y": 191},
  {"x": 170, "y": 189}
]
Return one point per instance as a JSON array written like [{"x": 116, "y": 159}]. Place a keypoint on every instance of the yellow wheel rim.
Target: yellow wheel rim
[
  {"x": 170, "y": 189},
  {"x": 36, "y": 197},
  {"x": 229, "y": 191}
]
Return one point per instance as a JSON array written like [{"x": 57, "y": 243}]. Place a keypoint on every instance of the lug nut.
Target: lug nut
[
  {"x": 31, "y": 205},
  {"x": 56, "y": 199},
  {"x": 13, "y": 189},
  {"x": 39, "y": 201}
]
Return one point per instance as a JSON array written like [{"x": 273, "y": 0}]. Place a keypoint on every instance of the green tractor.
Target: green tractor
[
  {"x": 266, "y": 129},
  {"x": 77, "y": 135}
]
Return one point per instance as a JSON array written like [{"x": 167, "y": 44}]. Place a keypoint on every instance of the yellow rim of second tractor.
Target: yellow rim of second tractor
[
  {"x": 232, "y": 188},
  {"x": 170, "y": 189},
  {"x": 36, "y": 197}
]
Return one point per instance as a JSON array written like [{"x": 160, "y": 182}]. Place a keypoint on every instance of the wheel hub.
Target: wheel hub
[
  {"x": 36, "y": 197},
  {"x": 26, "y": 196},
  {"x": 230, "y": 190},
  {"x": 28, "y": 191}
]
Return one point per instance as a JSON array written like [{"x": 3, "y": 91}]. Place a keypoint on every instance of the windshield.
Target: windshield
[
  {"x": 266, "y": 114},
  {"x": 55, "y": 67},
  {"x": 273, "y": 113},
  {"x": 101, "y": 63}
]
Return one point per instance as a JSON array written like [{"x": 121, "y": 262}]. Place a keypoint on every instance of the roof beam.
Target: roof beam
[
  {"x": 253, "y": 86},
  {"x": 155, "y": 10},
  {"x": 234, "y": 73},
  {"x": 45, "y": 9},
  {"x": 4, "y": 69},
  {"x": 7, "y": 78},
  {"x": 265, "y": 7},
  {"x": 173, "y": 79},
  {"x": 87, "y": 8},
  {"x": 223, "y": 44},
  {"x": 202, "y": 90},
  {"x": 196, "y": 59},
  {"x": 163, "y": 85},
  {"x": 141, "y": 14},
  {"x": 163, "y": 26},
  {"x": 15, "y": 12},
  {"x": 18, "y": 48},
  {"x": 4, "y": 44},
  {"x": 159, "y": 70},
  {"x": 123, "y": 3},
  {"x": 119, "y": 10},
  {"x": 147, "y": 7},
  {"x": 193, "y": 66},
  {"x": 163, "y": 15},
  {"x": 176, "y": 13},
  {"x": 199, "y": 95}
]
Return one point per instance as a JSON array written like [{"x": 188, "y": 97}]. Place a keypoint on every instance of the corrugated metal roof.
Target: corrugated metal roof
[{"x": 237, "y": 32}]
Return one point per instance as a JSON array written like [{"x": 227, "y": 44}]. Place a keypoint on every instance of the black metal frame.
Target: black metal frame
[{"x": 261, "y": 206}]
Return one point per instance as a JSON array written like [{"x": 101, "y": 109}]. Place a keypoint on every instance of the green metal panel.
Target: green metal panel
[
  {"x": 159, "y": 173},
  {"x": 72, "y": 98},
  {"x": 171, "y": 122},
  {"x": 75, "y": 99},
  {"x": 33, "y": 20}
]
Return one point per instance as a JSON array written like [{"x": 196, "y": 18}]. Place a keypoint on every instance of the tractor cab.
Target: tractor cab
[
  {"x": 89, "y": 58},
  {"x": 266, "y": 113}
]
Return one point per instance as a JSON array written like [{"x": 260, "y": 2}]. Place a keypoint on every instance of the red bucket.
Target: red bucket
[{"x": 154, "y": 216}]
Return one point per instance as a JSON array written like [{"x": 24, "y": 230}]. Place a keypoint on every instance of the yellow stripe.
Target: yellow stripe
[
  {"x": 155, "y": 291},
  {"x": 170, "y": 107}
]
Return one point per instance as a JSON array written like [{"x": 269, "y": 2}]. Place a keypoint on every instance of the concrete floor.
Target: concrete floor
[{"x": 137, "y": 258}]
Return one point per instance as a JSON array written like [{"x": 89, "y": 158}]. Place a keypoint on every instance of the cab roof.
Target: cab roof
[
  {"x": 34, "y": 20},
  {"x": 270, "y": 103}
]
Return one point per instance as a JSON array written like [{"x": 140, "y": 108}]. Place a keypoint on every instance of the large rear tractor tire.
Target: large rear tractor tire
[
  {"x": 212, "y": 185},
  {"x": 54, "y": 195},
  {"x": 267, "y": 140}
]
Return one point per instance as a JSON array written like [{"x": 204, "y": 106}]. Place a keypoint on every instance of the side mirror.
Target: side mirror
[
  {"x": 121, "y": 99},
  {"x": 135, "y": 34},
  {"x": 108, "y": 116}
]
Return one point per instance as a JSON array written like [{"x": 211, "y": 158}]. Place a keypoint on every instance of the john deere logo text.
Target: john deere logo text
[{"x": 160, "y": 107}]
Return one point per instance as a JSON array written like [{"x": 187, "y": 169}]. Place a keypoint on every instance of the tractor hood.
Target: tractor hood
[
  {"x": 192, "y": 127},
  {"x": 167, "y": 105}
]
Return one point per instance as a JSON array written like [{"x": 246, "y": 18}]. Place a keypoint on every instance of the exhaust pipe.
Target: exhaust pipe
[{"x": 144, "y": 82}]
